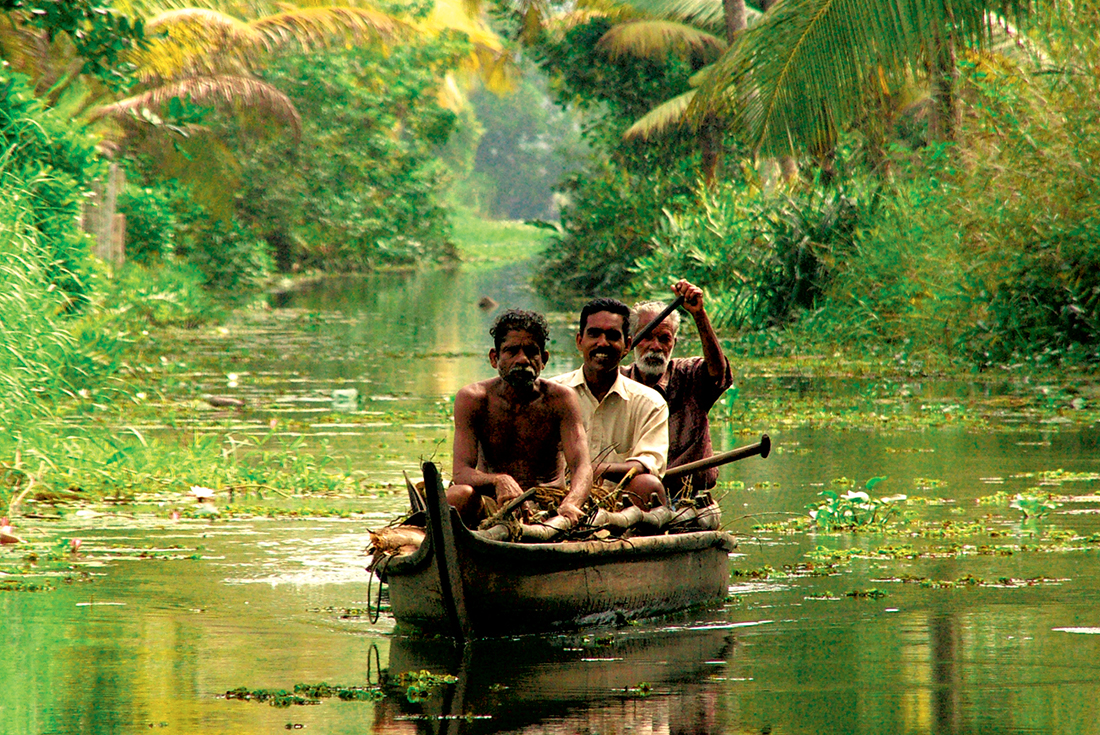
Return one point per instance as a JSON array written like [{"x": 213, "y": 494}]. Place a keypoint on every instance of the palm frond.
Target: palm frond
[
  {"x": 801, "y": 72},
  {"x": 221, "y": 91},
  {"x": 212, "y": 21},
  {"x": 312, "y": 28},
  {"x": 703, "y": 13},
  {"x": 661, "y": 119},
  {"x": 194, "y": 42},
  {"x": 656, "y": 39}
]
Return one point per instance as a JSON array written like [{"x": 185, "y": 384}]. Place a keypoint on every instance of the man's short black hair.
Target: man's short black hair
[
  {"x": 605, "y": 304},
  {"x": 520, "y": 320}
]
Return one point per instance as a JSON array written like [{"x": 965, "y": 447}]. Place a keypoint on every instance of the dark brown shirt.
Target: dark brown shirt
[{"x": 690, "y": 392}]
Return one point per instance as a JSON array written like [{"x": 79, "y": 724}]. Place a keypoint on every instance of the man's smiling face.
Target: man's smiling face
[{"x": 603, "y": 342}]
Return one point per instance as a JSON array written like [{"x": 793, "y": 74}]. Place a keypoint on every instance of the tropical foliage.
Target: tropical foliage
[
  {"x": 363, "y": 189},
  {"x": 811, "y": 68},
  {"x": 946, "y": 204},
  {"x": 614, "y": 203}
]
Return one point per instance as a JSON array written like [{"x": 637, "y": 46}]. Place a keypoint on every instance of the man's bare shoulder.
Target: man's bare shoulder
[
  {"x": 478, "y": 391},
  {"x": 556, "y": 391}
]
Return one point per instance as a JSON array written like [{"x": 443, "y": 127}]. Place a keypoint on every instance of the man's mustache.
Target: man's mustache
[{"x": 521, "y": 375}]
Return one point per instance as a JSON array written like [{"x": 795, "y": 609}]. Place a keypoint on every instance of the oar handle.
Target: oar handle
[
  {"x": 652, "y": 324},
  {"x": 762, "y": 447}
]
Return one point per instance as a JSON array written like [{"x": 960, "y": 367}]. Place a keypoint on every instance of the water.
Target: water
[{"x": 991, "y": 627}]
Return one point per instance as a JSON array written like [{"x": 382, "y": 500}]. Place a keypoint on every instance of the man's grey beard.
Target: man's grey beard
[
  {"x": 521, "y": 377},
  {"x": 653, "y": 363}
]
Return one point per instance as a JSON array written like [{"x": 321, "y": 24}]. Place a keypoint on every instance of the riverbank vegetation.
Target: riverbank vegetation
[
  {"x": 929, "y": 191},
  {"x": 936, "y": 217}
]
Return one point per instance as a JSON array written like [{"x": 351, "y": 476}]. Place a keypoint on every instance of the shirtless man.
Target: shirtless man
[{"x": 512, "y": 431}]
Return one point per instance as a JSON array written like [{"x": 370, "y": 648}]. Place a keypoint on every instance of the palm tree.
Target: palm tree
[
  {"x": 208, "y": 56},
  {"x": 807, "y": 69},
  {"x": 682, "y": 27}
]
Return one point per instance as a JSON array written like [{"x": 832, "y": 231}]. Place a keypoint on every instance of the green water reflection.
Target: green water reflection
[{"x": 176, "y": 613}]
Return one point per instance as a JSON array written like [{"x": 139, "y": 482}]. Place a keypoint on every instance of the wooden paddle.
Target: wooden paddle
[
  {"x": 762, "y": 447},
  {"x": 652, "y": 324}
]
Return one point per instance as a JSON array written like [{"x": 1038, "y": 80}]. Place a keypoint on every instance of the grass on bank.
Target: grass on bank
[{"x": 494, "y": 242}]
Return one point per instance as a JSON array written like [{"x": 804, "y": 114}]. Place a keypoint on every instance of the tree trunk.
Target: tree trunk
[
  {"x": 710, "y": 132},
  {"x": 943, "y": 116},
  {"x": 736, "y": 18},
  {"x": 282, "y": 249},
  {"x": 710, "y": 145}
]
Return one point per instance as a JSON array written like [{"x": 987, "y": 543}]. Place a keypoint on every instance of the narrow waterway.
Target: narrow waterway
[{"x": 978, "y": 621}]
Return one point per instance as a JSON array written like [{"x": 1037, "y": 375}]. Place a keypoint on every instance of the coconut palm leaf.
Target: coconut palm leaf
[
  {"x": 490, "y": 61},
  {"x": 194, "y": 41},
  {"x": 702, "y": 13},
  {"x": 661, "y": 119},
  {"x": 313, "y": 28},
  {"x": 220, "y": 91},
  {"x": 804, "y": 69},
  {"x": 657, "y": 39}
]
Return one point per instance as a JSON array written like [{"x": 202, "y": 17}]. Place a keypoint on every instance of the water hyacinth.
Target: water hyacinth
[
  {"x": 1033, "y": 505},
  {"x": 852, "y": 510}
]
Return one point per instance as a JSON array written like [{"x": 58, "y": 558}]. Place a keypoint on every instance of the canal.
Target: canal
[{"x": 964, "y": 616}]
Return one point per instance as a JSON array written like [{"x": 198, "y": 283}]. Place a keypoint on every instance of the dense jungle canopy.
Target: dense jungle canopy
[{"x": 916, "y": 181}]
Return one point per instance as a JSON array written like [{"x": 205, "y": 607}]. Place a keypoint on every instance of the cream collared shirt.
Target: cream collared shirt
[{"x": 631, "y": 421}]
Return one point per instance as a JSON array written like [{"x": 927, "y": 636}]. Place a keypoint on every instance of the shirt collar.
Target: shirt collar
[{"x": 619, "y": 387}]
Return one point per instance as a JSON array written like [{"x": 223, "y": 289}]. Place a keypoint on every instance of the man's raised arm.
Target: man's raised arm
[{"x": 712, "y": 349}]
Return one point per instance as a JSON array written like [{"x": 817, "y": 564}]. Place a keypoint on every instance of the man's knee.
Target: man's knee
[
  {"x": 466, "y": 501},
  {"x": 641, "y": 489}
]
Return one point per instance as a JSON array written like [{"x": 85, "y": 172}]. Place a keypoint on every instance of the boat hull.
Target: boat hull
[{"x": 463, "y": 585}]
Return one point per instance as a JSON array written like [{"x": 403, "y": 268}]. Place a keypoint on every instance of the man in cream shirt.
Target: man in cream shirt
[{"x": 626, "y": 422}]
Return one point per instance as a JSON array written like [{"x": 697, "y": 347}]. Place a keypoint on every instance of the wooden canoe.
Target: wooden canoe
[{"x": 466, "y": 586}]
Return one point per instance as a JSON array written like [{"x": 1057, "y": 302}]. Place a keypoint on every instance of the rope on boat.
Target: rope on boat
[
  {"x": 377, "y": 661},
  {"x": 378, "y": 568}
]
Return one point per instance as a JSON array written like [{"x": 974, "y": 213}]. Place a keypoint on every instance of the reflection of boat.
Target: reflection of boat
[
  {"x": 460, "y": 584},
  {"x": 619, "y": 683}
]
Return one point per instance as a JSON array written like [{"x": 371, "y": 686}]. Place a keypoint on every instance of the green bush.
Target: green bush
[
  {"x": 765, "y": 259},
  {"x": 34, "y": 335},
  {"x": 606, "y": 228},
  {"x": 229, "y": 255},
  {"x": 1048, "y": 303},
  {"x": 152, "y": 225},
  {"x": 48, "y": 164}
]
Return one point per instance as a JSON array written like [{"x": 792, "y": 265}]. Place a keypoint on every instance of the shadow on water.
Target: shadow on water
[{"x": 655, "y": 681}]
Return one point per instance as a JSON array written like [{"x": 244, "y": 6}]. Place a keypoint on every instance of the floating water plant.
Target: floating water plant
[
  {"x": 306, "y": 694},
  {"x": 854, "y": 509},
  {"x": 419, "y": 684},
  {"x": 1033, "y": 505}
]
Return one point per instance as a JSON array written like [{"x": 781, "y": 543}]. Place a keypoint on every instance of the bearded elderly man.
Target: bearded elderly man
[
  {"x": 513, "y": 431},
  {"x": 691, "y": 385},
  {"x": 627, "y": 423}
]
